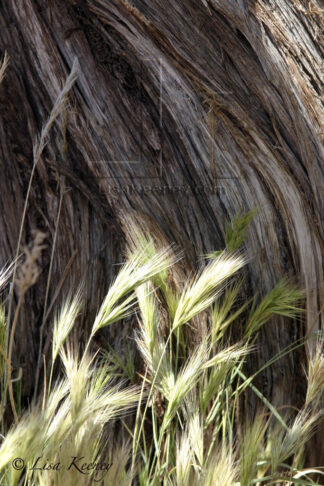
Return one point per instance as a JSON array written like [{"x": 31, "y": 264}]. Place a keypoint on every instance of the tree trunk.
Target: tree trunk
[{"x": 182, "y": 113}]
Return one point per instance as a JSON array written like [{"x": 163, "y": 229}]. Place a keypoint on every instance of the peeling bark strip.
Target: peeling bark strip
[{"x": 220, "y": 95}]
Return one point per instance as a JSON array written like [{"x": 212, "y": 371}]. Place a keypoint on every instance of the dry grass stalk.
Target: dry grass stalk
[{"x": 184, "y": 428}]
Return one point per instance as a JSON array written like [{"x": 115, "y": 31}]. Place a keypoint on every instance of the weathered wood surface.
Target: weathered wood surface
[{"x": 219, "y": 101}]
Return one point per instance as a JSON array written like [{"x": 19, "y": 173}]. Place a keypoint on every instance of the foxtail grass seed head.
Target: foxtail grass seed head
[
  {"x": 282, "y": 301},
  {"x": 251, "y": 448},
  {"x": 184, "y": 459},
  {"x": 64, "y": 322},
  {"x": 222, "y": 313},
  {"x": 178, "y": 424},
  {"x": 5, "y": 274},
  {"x": 235, "y": 232},
  {"x": 134, "y": 273},
  {"x": 200, "y": 294},
  {"x": 315, "y": 374},
  {"x": 220, "y": 469},
  {"x": 284, "y": 444},
  {"x": 176, "y": 388},
  {"x": 196, "y": 435},
  {"x": 149, "y": 317}
]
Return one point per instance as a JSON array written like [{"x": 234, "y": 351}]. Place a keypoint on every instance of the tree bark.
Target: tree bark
[{"x": 182, "y": 114}]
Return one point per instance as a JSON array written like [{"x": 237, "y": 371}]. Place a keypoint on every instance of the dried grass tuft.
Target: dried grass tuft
[
  {"x": 178, "y": 425},
  {"x": 30, "y": 269}
]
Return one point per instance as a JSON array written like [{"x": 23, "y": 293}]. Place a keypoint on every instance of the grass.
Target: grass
[{"x": 175, "y": 421}]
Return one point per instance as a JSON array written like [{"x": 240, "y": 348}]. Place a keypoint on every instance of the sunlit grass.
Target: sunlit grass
[{"x": 174, "y": 421}]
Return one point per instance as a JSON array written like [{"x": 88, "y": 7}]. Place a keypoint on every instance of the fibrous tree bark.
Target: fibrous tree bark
[{"x": 182, "y": 114}]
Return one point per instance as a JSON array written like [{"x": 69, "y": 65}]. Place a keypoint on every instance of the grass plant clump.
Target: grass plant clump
[{"x": 174, "y": 421}]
